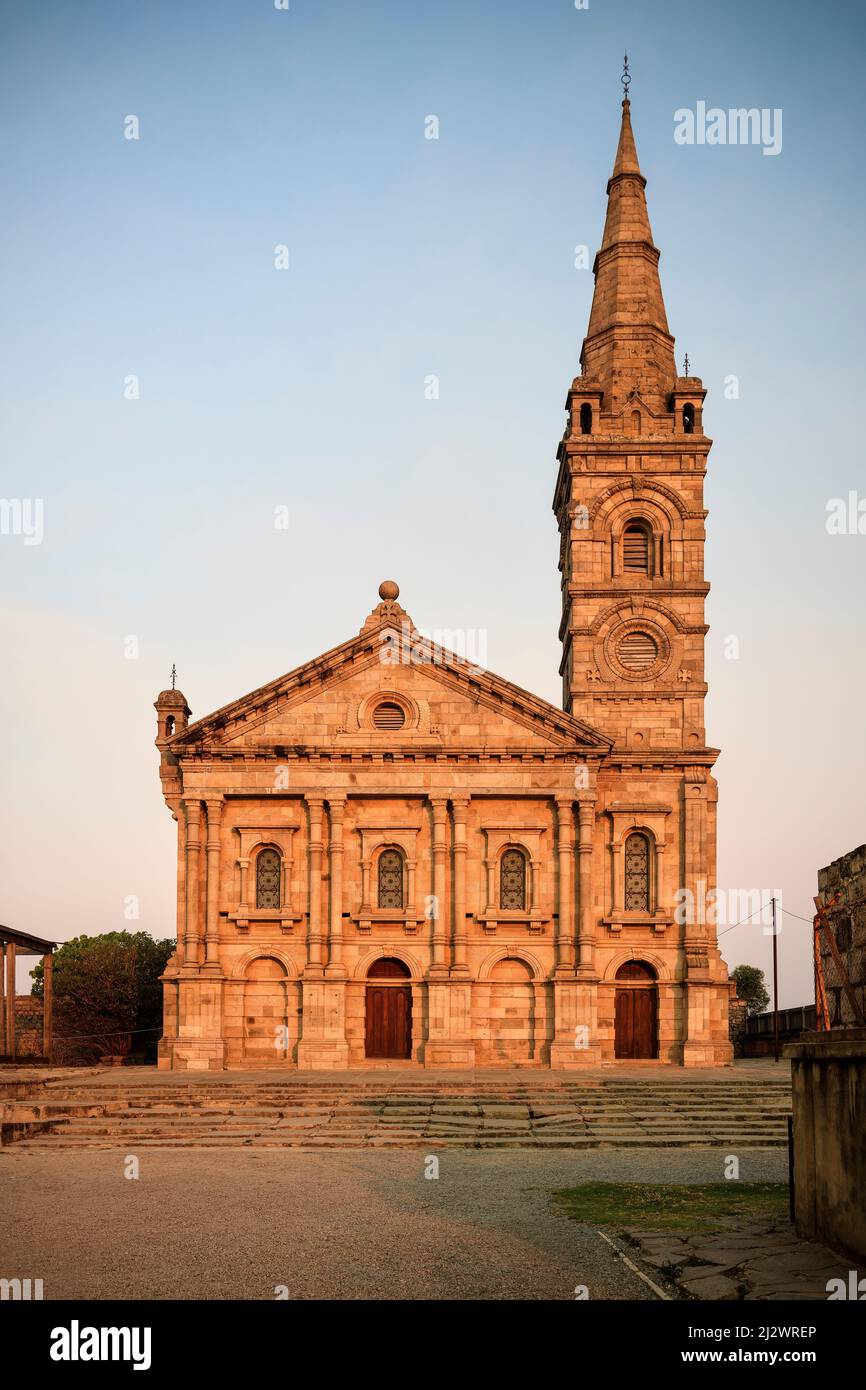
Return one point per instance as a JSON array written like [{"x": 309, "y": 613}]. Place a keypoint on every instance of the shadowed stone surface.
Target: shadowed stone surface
[{"x": 743, "y": 1262}]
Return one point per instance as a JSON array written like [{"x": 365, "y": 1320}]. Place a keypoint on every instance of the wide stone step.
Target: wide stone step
[
  {"x": 397, "y": 1111},
  {"x": 271, "y": 1141}
]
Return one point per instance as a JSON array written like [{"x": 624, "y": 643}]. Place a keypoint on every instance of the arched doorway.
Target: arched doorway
[
  {"x": 636, "y": 1012},
  {"x": 511, "y": 1014},
  {"x": 268, "y": 1031},
  {"x": 389, "y": 1009}
]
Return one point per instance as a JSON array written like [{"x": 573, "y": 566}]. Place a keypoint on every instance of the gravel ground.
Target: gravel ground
[{"x": 336, "y": 1225}]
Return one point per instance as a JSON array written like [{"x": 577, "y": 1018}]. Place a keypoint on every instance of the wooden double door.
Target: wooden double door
[
  {"x": 389, "y": 1021},
  {"x": 636, "y": 1013},
  {"x": 389, "y": 1010}
]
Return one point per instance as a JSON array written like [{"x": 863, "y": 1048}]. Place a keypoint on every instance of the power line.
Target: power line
[{"x": 760, "y": 908}]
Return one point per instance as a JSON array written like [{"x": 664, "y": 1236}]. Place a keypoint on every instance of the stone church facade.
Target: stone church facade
[{"x": 392, "y": 855}]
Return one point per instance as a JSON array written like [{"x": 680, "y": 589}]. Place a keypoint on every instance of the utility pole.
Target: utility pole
[{"x": 774, "y": 988}]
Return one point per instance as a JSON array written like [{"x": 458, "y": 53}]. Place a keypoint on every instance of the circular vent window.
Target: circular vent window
[
  {"x": 389, "y": 715},
  {"x": 637, "y": 651}
]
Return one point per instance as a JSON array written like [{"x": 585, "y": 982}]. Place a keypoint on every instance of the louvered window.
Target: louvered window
[
  {"x": 636, "y": 550},
  {"x": 268, "y": 879},
  {"x": 512, "y": 881},
  {"x": 637, "y": 651},
  {"x": 390, "y": 878},
  {"x": 637, "y": 874},
  {"x": 389, "y": 715}
]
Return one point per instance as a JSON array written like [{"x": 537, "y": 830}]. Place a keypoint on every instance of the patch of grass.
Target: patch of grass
[{"x": 673, "y": 1206}]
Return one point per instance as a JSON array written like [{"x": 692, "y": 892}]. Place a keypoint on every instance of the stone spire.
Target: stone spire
[{"x": 628, "y": 346}]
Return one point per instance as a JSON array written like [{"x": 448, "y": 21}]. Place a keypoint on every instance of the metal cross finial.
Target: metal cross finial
[
  {"x": 173, "y": 674},
  {"x": 626, "y": 77},
  {"x": 686, "y": 366}
]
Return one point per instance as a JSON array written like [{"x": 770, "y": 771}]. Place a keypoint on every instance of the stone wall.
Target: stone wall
[
  {"x": 846, "y": 876},
  {"x": 829, "y": 1098},
  {"x": 28, "y": 1026}
]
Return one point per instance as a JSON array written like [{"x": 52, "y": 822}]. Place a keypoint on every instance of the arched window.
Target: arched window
[
  {"x": 512, "y": 881},
  {"x": 635, "y": 422},
  {"x": 268, "y": 875},
  {"x": 586, "y": 418},
  {"x": 636, "y": 548},
  {"x": 637, "y": 874},
  {"x": 688, "y": 419},
  {"x": 169, "y": 726},
  {"x": 390, "y": 878}
]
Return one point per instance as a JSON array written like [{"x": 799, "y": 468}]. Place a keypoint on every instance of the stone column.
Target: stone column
[
  {"x": 459, "y": 965},
  {"x": 616, "y": 870},
  {"x": 439, "y": 965},
  {"x": 335, "y": 967},
  {"x": 191, "y": 935},
  {"x": 47, "y": 993},
  {"x": 214, "y": 807},
  {"x": 565, "y": 848},
  {"x": 314, "y": 935},
  {"x": 659, "y": 897},
  {"x": 586, "y": 923},
  {"x": 244, "y": 866},
  {"x": 490, "y": 909},
  {"x": 10, "y": 999},
  {"x": 411, "y": 906}
]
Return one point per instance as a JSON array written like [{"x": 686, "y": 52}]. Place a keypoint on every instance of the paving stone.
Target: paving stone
[
  {"x": 663, "y": 1261},
  {"x": 711, "y": 1286}
]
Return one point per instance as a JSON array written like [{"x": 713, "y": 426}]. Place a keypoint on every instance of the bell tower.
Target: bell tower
[{"x": 629, "y": 498}]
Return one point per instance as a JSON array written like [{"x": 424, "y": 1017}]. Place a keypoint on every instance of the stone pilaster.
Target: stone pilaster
[
  {"x": 439, "y": 964},
  {"x": 192, "y": 934},
  {"x": 314, "y": 932},
  {"x": 565, "y": 851},
  {"x": 460, "y": 806},
  {"x": 214, "y": 807},
  {"x": 322, "y": 1045},
  {"x": 586, "y": 967},
  {"x": 335, "y": 968}
]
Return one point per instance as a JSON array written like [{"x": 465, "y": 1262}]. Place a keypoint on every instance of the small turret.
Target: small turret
[{"x": 172, "y": 714}]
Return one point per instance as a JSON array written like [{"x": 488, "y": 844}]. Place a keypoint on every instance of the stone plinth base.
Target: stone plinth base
[
  {"x": 449, "y": 1054},
  {"x": 320, "y": 1055},
  {"x": 565, "y": 1056},
  {"x": 191, "y": 1054},
  {"x": 707, "y": 1054}
]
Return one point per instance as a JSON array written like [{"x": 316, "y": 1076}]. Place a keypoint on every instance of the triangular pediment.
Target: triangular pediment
[{"x": 445, "y": 701}]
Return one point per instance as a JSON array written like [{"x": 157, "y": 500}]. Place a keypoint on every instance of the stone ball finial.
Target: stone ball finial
[{"x": 389, "y": 591}]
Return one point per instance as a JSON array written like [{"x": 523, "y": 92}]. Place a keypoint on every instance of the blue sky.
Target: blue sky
[{"x": 305, "y": 388}]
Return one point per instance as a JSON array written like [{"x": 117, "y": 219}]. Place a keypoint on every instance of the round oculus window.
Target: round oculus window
[
  {"x": 389, "y": 715},
  {"x": 637, "y": 651}
]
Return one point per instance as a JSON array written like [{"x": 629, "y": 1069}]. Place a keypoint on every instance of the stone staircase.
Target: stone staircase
[{"x": 402, "y": 1111}]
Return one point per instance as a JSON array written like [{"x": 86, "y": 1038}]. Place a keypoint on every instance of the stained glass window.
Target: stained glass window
[
  {"x": 637, "y": 874},
  {"x": 268, "y": 879},
  {"x": 512, "y": 881},
  {"x": 390, "y": 878}
]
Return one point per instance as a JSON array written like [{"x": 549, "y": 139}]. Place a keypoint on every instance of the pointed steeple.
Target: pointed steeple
[
  {"x": 628, "y": 346},
  {"x": 626, "y": 150}
]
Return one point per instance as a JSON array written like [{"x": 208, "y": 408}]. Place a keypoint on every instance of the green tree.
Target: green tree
[
  {"x": 107, "y": 995},
  {"x": 751, "y": 988}
]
